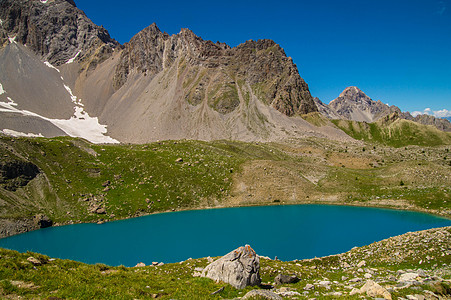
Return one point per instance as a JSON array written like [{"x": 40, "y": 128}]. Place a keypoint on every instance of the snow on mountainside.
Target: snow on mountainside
[{"x": 79, "y": 123}]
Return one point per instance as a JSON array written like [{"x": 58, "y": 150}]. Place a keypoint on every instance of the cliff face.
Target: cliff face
[
  {"x": 216, "y": 68},
  {"x": 56, "y": 30}
]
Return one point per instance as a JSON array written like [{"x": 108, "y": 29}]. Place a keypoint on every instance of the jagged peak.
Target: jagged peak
[
  {"x": 71, "y": 2},
  {"x": 352, "y": 90}
]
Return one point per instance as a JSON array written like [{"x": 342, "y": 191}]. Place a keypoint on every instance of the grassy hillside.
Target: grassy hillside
[
  {"x": 399, "y": 133},
  {"x": 125, "y": 180},
  {"x": 82, "y": 182}
]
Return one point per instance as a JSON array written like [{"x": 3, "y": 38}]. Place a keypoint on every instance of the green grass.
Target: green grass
[{"x": 400, "y": 133}]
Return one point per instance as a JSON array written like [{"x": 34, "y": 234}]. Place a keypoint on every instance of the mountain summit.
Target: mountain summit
[{"x": 353, "y": 104}]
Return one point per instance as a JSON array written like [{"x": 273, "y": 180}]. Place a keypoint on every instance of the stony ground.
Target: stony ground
[{"x": 415, "y": 265}]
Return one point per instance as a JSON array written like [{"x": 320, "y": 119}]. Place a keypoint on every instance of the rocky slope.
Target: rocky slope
[
  {"x": 64, "y": 75},
  {"x": 442, "y": 124},
  {"x": 354, "y": 105}
]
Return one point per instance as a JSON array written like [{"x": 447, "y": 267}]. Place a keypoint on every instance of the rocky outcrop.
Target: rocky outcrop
[
  {"x": 16, "y": 173},
  {"x": 240, "y": 268},
  {"x": 262, "y": 65},
  {"x": 325, "y": 110},
  {"x": 42, "y": 221},
  {"x": 441, "y": 124},
  {"x": 56, "y": 30}
]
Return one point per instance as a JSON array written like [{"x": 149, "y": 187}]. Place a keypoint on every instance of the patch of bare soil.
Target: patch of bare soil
[{"x": 265, "y": 182}]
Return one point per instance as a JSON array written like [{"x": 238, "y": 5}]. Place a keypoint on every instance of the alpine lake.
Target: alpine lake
[{"x": 286, "y": 232}]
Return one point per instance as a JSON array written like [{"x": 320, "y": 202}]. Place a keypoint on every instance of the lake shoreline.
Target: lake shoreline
[{"x": 26, "y": 225}]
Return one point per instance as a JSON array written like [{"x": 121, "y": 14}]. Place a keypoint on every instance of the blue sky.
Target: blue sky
[{"x": 396, "y": 51}]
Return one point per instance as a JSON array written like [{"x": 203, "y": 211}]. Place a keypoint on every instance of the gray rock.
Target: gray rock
[
  {"x": 285, "y": 279},
  {"x": 372, "y": 289},
  {"x": 361, "y": 264},
  {"x": 309, "y": 287},
  {"x": 42, "y": 221},
  {"x": 408, "y": 277},
  {"x": 100, "y": 211},
  {"x": 34, "y": 261},
  {"x": 240, "y": 268},
  {"x": 262, "y": 294}
]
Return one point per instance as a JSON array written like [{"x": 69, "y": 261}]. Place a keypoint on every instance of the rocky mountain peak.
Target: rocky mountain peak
[
  {"x": 354, "y": 104},
  {"x": 262, "y": 64},
  {"x": 56, "y": 30},
  {"x": 354, "y": 94},
  {"x": 71, "y": 2}
]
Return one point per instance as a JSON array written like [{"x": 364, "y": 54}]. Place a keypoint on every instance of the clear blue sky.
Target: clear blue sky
[{"x": 396, "y": 51}]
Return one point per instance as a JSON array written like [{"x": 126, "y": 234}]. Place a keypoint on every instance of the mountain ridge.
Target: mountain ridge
[
  {"x": 354, "y": 105},
  {"x": 156, "y": 86}
]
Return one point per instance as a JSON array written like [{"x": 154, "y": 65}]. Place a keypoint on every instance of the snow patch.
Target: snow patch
[
  {"x": 73, "y": 58},
  {"x": 12, "y": 40},
  {"x": 20, "y": 134},
  {"x": 11, "y": 101},
  {"x": 2, "y": 91},
  {"x": 72, "y": 97},
  {"x": 79, "y": 125},
  {"x": 44, "y": 1},
  {"x": 1, "y": 22},
  {"x": 51, "y": 66}
]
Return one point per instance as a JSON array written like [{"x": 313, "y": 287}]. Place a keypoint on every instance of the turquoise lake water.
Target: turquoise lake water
[{"x": 288, "y": 232}]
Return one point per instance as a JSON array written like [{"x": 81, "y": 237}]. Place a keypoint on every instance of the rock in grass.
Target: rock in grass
[
  {"x": 285, "y": 279},
  {"x": 34, "y": 261},
  {"x": 372, "y": 289},
  {"x": 262, "y": 294},
  {"x": 240, "y": 268}
]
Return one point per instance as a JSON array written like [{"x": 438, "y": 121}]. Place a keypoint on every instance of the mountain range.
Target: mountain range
[{"x": 63, "y": 75}]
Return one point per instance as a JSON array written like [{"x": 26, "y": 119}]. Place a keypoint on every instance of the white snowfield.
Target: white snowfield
[
  {"x": 19, "y": 134},
  {"x": 80, "y": 125}
]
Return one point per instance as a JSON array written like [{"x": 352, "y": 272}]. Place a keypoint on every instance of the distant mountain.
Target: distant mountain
[
  {"x": 394, "y": 131},
  {"x": 354, "y": 105},
  {"x": 63, "y": 75}
]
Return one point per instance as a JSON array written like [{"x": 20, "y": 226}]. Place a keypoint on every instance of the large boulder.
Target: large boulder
[
  {"x": 42, "y": 221},
  {"x": 240, "y": 268}
]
